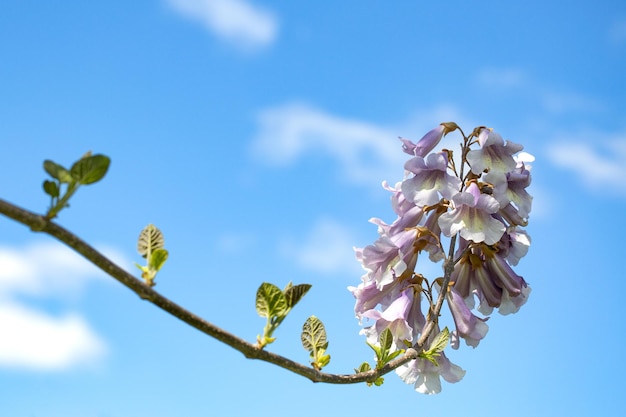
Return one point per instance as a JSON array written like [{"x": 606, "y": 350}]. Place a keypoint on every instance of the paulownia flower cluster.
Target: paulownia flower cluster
[{"x": 477, "y": 201}]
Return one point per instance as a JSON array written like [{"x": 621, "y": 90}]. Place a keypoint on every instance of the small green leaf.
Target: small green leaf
[
  {"x": 51, "y": 188},
  {"x": 386, "y": 340},
  {"x": 294, "y": 294},
  {"x": 322, "y": 361},
  {"x": 157, "y": 259},
  {"x": 90, "y": 168},
  {"x": 394, "y": 355},
  {"x": 313, "y": 335},
  {"x": 379, "y": 381},
  {"x": 440, "y": 342},
  {"x": 150, "y": 239},
  {"x": 57, "y": 171},
  {"x": 363, "y": 368},
  {"x": 270, "y": 301},
  {"x": 377, "y": 350}
]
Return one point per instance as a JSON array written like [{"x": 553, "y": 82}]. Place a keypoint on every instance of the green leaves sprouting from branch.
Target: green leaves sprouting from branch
[
  {"x": 87, "y": 170},
  {"x": 274, "y": 304},
  {"x": 437, "y": 346},
  {"x": 150, "y": 246},
  {"x": 384, "y": 355},
  {"x": 365, "y": 367},
  {"x": 314, "y": 340}
]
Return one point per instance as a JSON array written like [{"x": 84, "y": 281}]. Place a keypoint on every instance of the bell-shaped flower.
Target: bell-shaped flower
[
  {"x": 468, "y": 326},
  {"x": 510, "y": 188},
  {"x": 382, "y": 261},
  {"x": 425, "y": 144},
  {"x": 394, "y": 318},
  {"x": 510, "y": 305},
  {"x": 431, "y": 180},
  {"x": 425, "y": 375},
  {"x": 472, "y": 217},
  {"x": 514, "y": 244},
  {"x": 493, "y": 154}
]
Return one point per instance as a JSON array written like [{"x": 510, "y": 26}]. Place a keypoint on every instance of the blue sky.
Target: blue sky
[{"x": 256, "y": 135}]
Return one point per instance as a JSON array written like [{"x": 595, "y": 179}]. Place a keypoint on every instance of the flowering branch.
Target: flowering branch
[
  {"x": 481, "y": 211},
  {"x": 38, "y": 223}
]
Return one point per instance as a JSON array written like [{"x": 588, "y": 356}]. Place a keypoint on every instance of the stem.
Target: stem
[
  {"x": 71, "y": 189},
  {"x": 43, "y": 224}
]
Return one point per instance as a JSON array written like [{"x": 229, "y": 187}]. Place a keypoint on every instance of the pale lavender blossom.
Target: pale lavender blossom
[
  {"x": 510, "y": 187},
  {"x": 425, "y": 144},
  {"x": 394, "y": 318},
  {"x": 425, "y": 375},
  {"x": 472, "y": 217},
  {"x": 468, "y": 326},
  {"x": 493, "y": 154},
  {"x": 519, "y": 243},
  {"x": 431, "y": 180},
  {"x": 382, "y": 261}
]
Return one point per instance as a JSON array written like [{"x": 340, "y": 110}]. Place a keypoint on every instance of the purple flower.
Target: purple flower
[
  {"x": 471, "y": 217},
  {"x": 493, "y": 154},
  {"x": 394, "y": 317},
  {"x": 426, "y": 376},
  {"x": 468, "y": 326},
  {"x": 425, "y": 144},
  {"x": 431, "y": 180},
  {"x": 382, "y": 261},
  {"x": 511, "y": 187},
  {"x": 483, "y": 271},
  {"x": 519, "y": 242}
]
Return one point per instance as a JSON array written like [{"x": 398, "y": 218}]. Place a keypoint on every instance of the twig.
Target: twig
[{"x": 40, "y": 223}]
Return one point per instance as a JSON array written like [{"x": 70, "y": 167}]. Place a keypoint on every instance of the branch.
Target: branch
[{"x": 38, "y": 223}]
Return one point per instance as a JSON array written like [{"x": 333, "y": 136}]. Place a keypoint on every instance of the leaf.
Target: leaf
[
  {"x": 377, "y": 350},
  {"x": 90, "y": 168},
  {"x": 57, "y": 172},
  {"x": 313, "y": 335},
  {"x": 394, "y": 355},
  {"x": 386, "y": 340},
  {"x": 440, "y": 342},
  {"x": 270, "y": 301},
  {"x": 294, "y": 294},
  {"x": 363, "y": 368},
  {"x": 157, "y": 259},
  {"x": 150, "y": 239},
  {"x": 51, "y": 188},
  {"x": 322, "y": 361}
]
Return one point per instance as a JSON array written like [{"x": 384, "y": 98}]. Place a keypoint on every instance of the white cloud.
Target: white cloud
[
  {"x": 237, "y": 21},
  {"x": 44, "y": 269},
  {"x": 33, "y": 339},
  {"x": 599, "y": 164},
  {"x": 366, "y": 152},
  {"x": 327, "y": 249}
]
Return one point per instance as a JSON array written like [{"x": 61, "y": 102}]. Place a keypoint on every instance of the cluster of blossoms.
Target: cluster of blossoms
[{"x": 482, "y": 212}]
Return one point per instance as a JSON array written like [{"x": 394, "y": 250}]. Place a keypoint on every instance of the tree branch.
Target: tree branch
[{"x": 40, "y": 223}]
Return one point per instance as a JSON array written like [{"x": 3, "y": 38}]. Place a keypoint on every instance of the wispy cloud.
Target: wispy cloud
[
  {"x": 34, "y": 339},
  {"x": 326, "y": 249},
  {"x": 367, "y": 153},
  {"x": 517, "y": 82},
  {"x": 600, "y": 164},
  {"x": 236, "y": 21}
]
